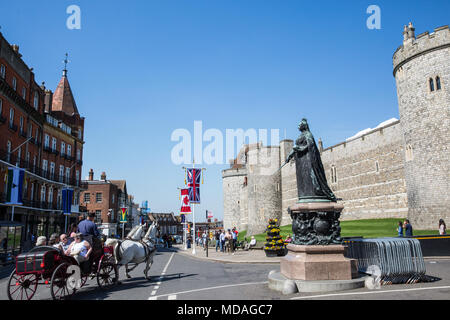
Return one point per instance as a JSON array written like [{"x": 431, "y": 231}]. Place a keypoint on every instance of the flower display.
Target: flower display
[{"x": 274, "y": 245}]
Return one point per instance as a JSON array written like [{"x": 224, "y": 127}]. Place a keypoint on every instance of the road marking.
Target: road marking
[
  {"x": 369, "y": 292},
  {"x": 172, "y": 297},
  {"x": 152, "y": 297},
  {"x": 210, "y": 288}
]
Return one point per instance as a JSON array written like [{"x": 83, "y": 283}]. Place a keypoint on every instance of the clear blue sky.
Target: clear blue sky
[{"x": 141, "y": 69}]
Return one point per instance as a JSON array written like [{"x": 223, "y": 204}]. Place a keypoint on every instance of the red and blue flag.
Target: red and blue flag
[{"x": 193, "y": 182}]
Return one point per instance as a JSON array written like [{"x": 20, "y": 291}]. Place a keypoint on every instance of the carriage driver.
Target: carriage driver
[{"x": 79, "y": 249}]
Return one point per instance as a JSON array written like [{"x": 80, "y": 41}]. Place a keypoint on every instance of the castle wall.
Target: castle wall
[
  {"x": 369, "y": 174},
  {"x": 264, "y": 188},
  {"x": 232, "y": 186},
  {"x": 425, "y": 122}
]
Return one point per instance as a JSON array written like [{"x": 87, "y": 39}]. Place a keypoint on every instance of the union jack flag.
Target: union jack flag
[{"x": 193, "y": 182}]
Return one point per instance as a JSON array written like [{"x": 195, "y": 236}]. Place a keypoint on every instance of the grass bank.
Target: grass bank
[{"x": 370, "y": 228}]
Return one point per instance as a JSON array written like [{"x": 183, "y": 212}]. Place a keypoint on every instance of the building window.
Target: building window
[
  {"x": 333, "y": 174},
  {"x": 409, "y": 153},
  {"x": 2, "y": 71},
  {"x": 78, "y": 155},
  {"x": 30, "y": 131},
  {"x": 43, "y": 191},
  {"x": 63, "y": 148},
  {"x": 50, "y": 195},
  {"x": 112, "y": 199},
  {"x": 44, "y": 167},
  {"x": 46, "y": 140},
  {"x": 11, "y": 117},
  {"x": 67, "y": 175},
  {"x": 24, "y": 93},
  {"x": 69, "y": 150},
  {"x": 36, "y": 100},
  {"x": 19, "y": 155},
  {"x": 431, "y": 84},
  {"x": 53, "y": 144},
  {"x": 14, "y": 83},
  {"x": 79, "y": 134},
  {"x": 98, "y": 216},
  {"x": 77, "y": 177},
  {"x": 8, "y": 151},
  {"x": 21, "y": 124},
  {"x": 52, "y": 171},
  {"x": 61, "y": 173},
  {"x": 438, "y": 83},
  {"x": 87, "y": 197},
  {"x": 98, "y": 197}
]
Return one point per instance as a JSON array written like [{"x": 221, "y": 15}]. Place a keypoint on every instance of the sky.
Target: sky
[{"x": 140, "y": 70}]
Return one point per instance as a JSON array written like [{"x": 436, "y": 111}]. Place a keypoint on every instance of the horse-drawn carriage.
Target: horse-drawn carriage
[{"x": 45, "y": 265}]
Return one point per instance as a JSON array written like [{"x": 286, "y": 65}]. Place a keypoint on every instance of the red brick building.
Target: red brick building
[
  {"x": 105, "y": 198},
  {"x": 42, "y": 133}
]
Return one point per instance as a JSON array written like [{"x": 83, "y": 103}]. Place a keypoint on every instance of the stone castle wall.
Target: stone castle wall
[
  {"x": 369, "y": 174},
  {"x": 425, "y": 122}
]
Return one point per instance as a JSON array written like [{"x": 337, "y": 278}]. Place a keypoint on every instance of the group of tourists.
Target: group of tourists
[
  {"x": 226, "y": 241},
  {"x": 72, "y": 243},
  {"x": 405, "y": 229}
]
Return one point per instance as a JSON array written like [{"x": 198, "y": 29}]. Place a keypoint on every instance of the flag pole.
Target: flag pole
[{"x": 193, "y": 216}]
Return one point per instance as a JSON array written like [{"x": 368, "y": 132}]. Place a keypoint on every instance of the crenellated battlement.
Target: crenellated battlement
[{"x": 415, "y": 46}]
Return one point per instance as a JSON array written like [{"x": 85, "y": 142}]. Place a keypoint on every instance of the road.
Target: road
[{"x": 176, "y": 276}]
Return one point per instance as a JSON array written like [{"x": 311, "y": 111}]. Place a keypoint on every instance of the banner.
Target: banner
[
  {"x": 209, "y": 214},
  {"x": 67, "y": 196},
  {"x": 14, "y": 186},
  {"x": 185, "y": 207},
  {"x": 123, "y": 215},
  {"x": 193, "y": 182}
]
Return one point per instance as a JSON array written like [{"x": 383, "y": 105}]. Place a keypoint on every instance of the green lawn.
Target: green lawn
[{"x": 372, "y": 228}]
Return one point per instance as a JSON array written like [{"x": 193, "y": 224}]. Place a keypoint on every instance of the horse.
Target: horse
[
  {"x": 136, "y": 233},
  {"x": 136, "y": 252}
]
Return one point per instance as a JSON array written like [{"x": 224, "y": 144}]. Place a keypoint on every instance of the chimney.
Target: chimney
[
  {"x": 48, "y": 101},
  {"x": 15, "y": 48},
  {"x": 91, "y": 175},
  {"x": 103, "y": 176}
]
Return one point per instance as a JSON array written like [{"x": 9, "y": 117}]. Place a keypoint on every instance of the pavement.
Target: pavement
[{"x": 252, "y": 256}]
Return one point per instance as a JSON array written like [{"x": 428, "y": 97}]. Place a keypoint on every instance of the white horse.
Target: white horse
[
  {"x": 136, "y": 252},
  {"x": 136, "y": 233}
]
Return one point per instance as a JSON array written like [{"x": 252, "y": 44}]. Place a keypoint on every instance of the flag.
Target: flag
[
  {"x": 193, "y": 177},
  {"x": 67, "y": 195},
  {"x": 185, "y": 207},
  {"x": 14, "y": 186},
  {"x": 183, "y": 218},
  {"x": 123, "y": 215}
]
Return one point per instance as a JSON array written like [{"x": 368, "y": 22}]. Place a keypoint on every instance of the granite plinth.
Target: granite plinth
[{"x": 317, "y": 262}]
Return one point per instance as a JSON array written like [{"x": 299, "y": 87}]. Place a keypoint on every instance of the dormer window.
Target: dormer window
[
  {"x": 431, "y": 84},
  {"x": 438, "y": 83}
]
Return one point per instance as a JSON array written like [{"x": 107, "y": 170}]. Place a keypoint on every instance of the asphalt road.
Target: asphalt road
[{"x": 180, "y": 277}]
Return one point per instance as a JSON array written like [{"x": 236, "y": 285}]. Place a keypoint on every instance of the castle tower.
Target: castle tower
[{"x": 422, "y": 74}]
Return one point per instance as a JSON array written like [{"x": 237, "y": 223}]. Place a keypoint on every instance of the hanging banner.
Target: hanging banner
[
  {"x": 193, "y": 182},
  {"x": 14, "y": 186},
  {"x": 123, "y": 215},
  {"x": 185, "y": 207},
  {"x": 67, "y": 196}
]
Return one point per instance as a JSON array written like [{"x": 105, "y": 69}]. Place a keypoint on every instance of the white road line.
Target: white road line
[
  {"x": 368, "y": 292},
  {"x": 172, "y": 297},
  {"x": 212, "y": 288},
  {"x": 152, "y": 297}
]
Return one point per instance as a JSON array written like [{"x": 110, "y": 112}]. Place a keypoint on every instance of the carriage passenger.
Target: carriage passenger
[
  {"x": 79, "y": 249},
  {"x": 64, "y": 242}
]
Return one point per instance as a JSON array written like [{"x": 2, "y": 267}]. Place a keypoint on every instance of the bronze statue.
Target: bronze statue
[{"x": 311, "y": 180}]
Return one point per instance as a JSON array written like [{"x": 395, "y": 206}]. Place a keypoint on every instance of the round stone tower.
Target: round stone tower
[
  {"x": 422, "y": 74},
  {"x": 233, "y": 183}
]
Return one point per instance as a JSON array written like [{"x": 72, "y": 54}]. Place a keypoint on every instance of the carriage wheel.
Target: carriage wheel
[
  {"x": 58, "y": 288},
  {"x": 22, "y": 287},
  {"x": 107, "y": 275}
]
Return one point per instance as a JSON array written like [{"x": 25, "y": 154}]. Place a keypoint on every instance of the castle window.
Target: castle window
[
  {"x": 438, "y": 83},
  {"x": 431, "y": 84},
  {"x": 333, "y": 174},
  {"x": 408, "y": 153}
]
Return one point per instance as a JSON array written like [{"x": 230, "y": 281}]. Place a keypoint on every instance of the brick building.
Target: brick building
[
  {"x": 105, "y": 198},
  {"x": 42, "y": 133}
]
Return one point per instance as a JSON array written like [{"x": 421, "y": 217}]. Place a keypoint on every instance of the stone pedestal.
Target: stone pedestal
[{"x": 317, "y": 262}]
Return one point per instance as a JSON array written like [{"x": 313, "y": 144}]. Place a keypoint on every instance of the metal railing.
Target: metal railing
[{"x": 397, "y": 260}]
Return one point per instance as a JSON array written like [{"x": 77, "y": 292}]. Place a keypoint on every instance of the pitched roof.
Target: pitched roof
[
  {"x": 121, "y": 184},
  {"x": 63, "y": 98}
]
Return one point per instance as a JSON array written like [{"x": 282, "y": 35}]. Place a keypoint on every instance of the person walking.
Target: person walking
[
  {"x": 222, "y": 241},
  {"x": 442, "y": 227},
  {"x": 234, "y": 240},
  {"x": 400, "y": 229},
  {"x": 408, "y": 228},
  {"x": 217, "y": 237}
]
